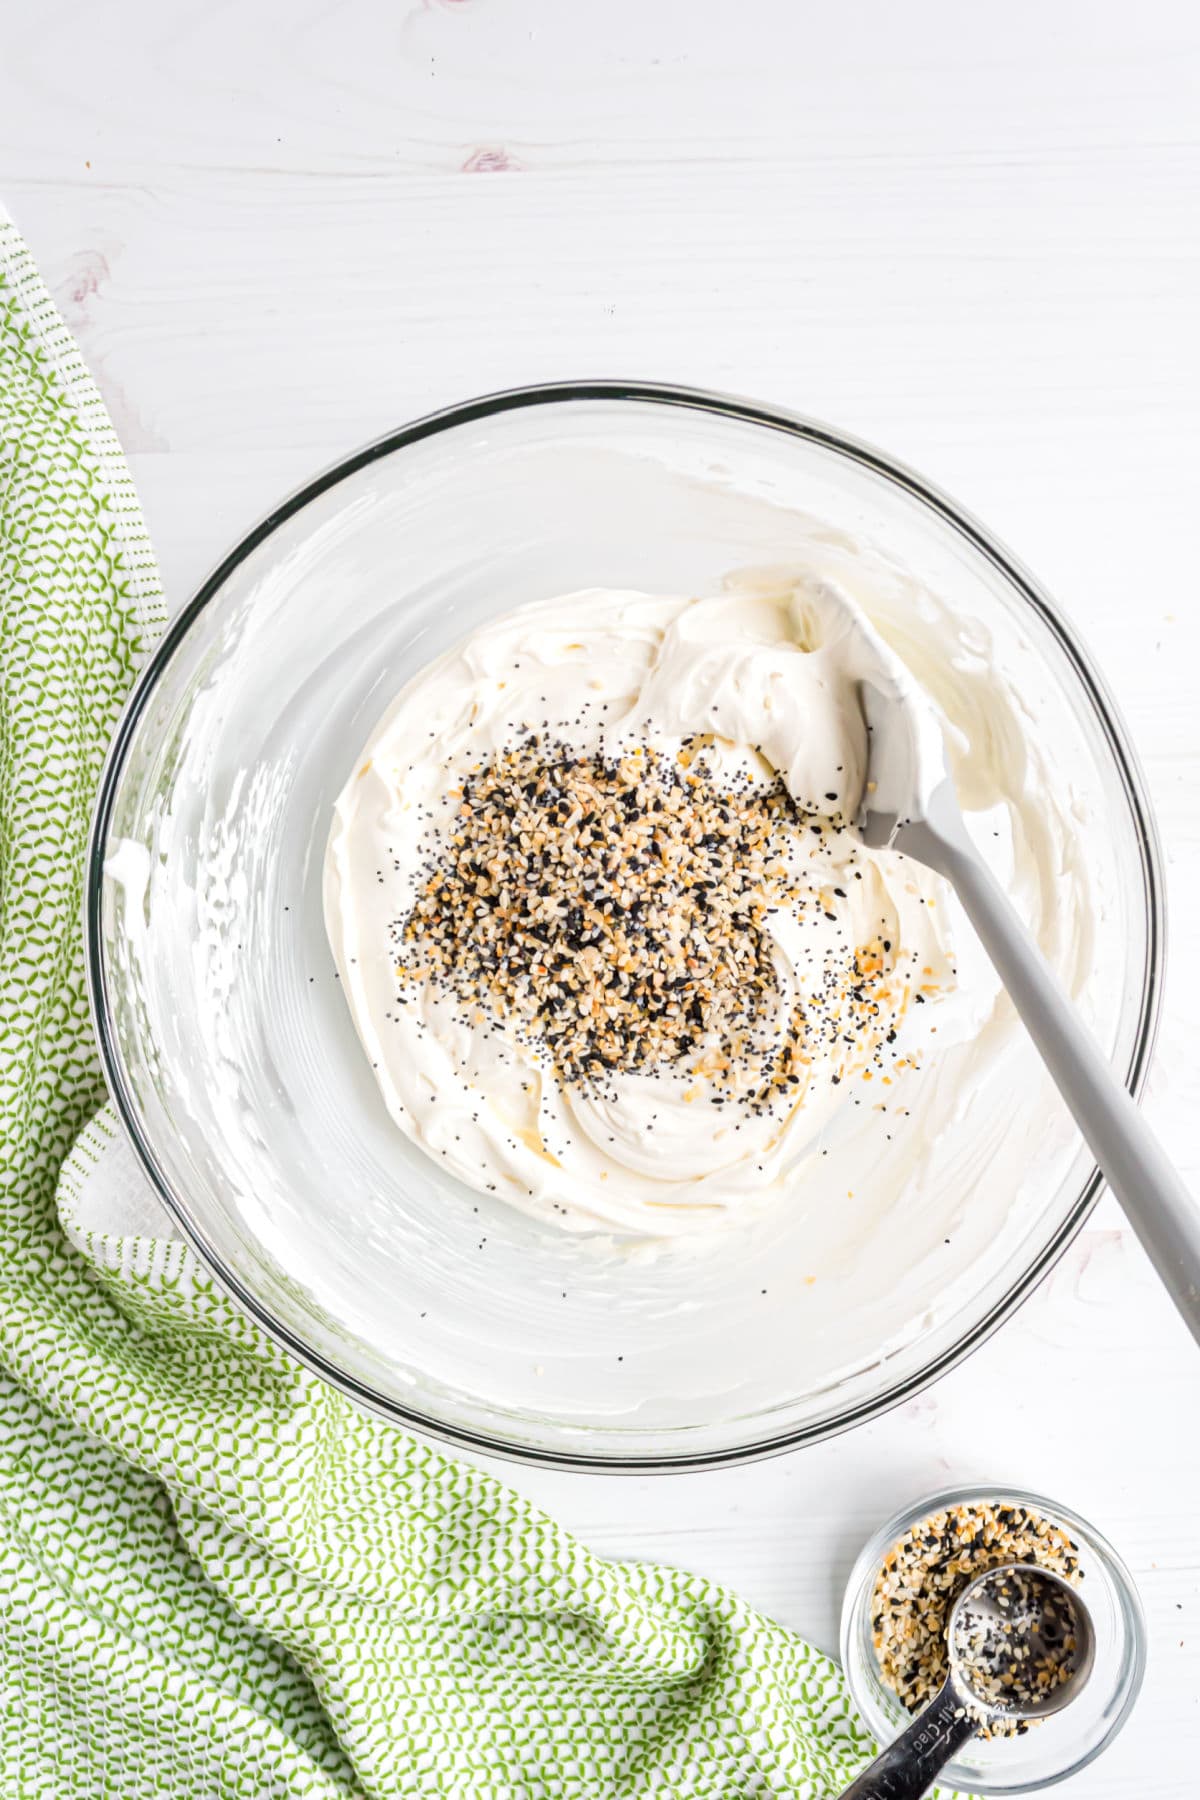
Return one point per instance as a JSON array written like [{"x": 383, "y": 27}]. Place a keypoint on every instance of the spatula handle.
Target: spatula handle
[{"x": 1156, "y": 1203}]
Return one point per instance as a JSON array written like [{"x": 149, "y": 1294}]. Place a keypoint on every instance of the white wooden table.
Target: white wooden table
[{"x": 970, "y": 235}]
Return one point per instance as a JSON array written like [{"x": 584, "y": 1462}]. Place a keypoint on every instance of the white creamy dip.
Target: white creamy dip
[{"x": 769, "y": 674}]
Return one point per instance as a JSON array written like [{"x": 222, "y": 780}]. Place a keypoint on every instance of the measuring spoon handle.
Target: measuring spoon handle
[{"x": 910, "y": 1765}]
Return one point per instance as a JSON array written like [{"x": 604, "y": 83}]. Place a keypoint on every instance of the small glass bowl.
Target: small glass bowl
[{"x": 1057, "y": 1747}]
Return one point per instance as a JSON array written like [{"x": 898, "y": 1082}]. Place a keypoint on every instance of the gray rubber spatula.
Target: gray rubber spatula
[{"x": 909, "y": 801}]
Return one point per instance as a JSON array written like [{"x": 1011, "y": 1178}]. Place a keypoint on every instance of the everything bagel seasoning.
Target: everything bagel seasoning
[
  {"x": 926, "y": 1570},
  {"x": 611, "y": 911}
]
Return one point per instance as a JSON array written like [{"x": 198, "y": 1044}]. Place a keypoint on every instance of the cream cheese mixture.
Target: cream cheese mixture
[{"x": 718, "y": 701}]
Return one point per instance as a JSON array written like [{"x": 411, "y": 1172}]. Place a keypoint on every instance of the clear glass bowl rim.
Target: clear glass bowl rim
[
  {"x": 881, "y": 1540},
  {"x": 742, "y": 411}
]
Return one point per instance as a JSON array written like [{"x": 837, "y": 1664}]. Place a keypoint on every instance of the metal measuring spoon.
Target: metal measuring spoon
[{"x": 1014, "y": 1613}]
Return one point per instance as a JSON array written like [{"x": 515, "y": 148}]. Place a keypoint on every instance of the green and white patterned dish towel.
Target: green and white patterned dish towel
[{"x": 218, "y": 1577}]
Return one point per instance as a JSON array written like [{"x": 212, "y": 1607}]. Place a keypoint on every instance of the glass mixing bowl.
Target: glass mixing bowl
[
  {"x": 232, "y": 1058},
  {"x": 1057, "y": 1747}
]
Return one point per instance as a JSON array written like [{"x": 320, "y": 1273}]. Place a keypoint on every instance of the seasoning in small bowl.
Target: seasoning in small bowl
[
  {"x": 927, "y": 1568},
  {"x": 898, "y": 1603}
]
